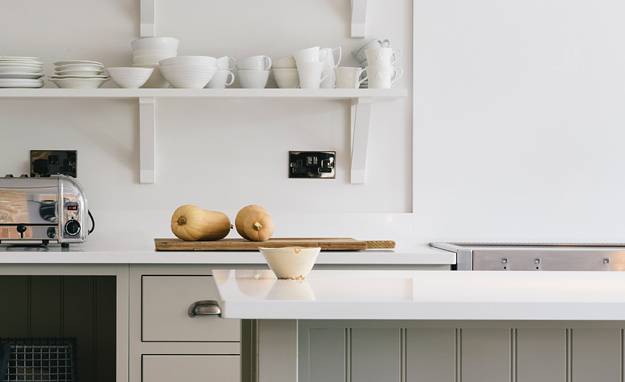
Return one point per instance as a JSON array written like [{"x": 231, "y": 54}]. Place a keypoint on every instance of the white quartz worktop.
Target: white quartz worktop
[
  {"x": 128, "y": 252},
  {"x": 423, "y": 295}
]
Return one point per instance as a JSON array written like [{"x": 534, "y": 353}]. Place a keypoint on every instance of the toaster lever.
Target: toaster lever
[{"x": 21, "y": 228}]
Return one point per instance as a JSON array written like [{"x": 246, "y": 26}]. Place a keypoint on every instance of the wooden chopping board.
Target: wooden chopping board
[{"x": 326, "y": 244}]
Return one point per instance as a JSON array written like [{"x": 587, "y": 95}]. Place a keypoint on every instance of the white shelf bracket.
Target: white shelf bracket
[
  {"x": 147, "y": 11},
  {"x": 146, "y": 139},
  {"x": 361, "y": 118},
  {"x": 359, "y": 16}
]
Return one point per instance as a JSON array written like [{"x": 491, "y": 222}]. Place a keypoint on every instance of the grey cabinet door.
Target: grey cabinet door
[
  {"x": 485, "y": 355},
  {"x": 191, "y": 368}
]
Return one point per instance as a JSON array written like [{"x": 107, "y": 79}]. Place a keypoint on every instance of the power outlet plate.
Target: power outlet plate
[
  {"x": 53, "y": 162},
  {"x": 312, "y": 164}
]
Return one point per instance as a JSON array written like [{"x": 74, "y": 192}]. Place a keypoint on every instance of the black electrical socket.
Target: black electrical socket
[
  {"x": 312, "y": 164},
  {"x": 53, "y": 162}
]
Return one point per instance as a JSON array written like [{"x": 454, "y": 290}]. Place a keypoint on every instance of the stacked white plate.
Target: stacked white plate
[
  {"x": 20, "y": 72},
  {"x": 79, "y": 74}
]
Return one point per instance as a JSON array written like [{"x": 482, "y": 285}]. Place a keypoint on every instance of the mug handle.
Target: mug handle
[
  {"x": 397, "y": 73},
  {"x": 385, "y": 43},
  {"x": 231, "y": 65},
  {"x": 267, "y": 62},
  {"x": 340, "y": 50},
  {"x": 230, "y": 78},
  {"x": 396, "y": 55},
  {"x": 360, "y": 74}
]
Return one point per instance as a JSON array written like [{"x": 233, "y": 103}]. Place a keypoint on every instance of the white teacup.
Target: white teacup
[
  {"x": 253, "y": 78},
  {"x": 221, "y": 79},
  {"x": 254, "y": 63},
  {"x": 310, "y": 74},
  {"x": 331, "y": 63},
  {"x": 287, "y": 62},
  {"x": 349, "y": 77},
  {"x": 382, "y": 56},
  {"x": 309, "y": 54},
  {"x": 360, "y": 53},
  {"x": 382, "y": 77},
  {"x": 286, "y": 78},
  {"x": 226, "y": 63}
]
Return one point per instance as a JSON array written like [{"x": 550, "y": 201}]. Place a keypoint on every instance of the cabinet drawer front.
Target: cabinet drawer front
[
  {"x": 191, "y": 368},
  {"x": 165, "y": 306}
]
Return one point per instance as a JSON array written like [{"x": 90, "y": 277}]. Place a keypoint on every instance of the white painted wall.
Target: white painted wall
[
  {"x": 518, "y": 116},
  {"x": 519, "y": 120},
  {"x": 217, "y": 155}
]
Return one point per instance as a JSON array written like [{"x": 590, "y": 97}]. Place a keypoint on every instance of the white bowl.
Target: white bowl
[
  {"x": 287, "y": 78},
  {"x": 79, "y": 67},
  {"x": 132, "y": 78},
  {"x": 290, "y": 262},
  {"x": 167, "y": 43},
  {"x": 150, "y": 59},
  {"x": 149, "y": 52},
  {"x": 78, "y": 72},
  {"x": 189, "y": 60},
  {"x": 188, "y": 76},
  {"x": 287, "y": 62},
  {"x": 79, "y": 83},
  {"x": 156, "y": 80}
]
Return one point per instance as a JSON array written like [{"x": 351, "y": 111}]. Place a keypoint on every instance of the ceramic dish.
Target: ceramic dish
[
  {"x": 18, "y": 69},
  {"x": 78, "y": 76},
  {"x": 19, "y": 58},
  {"x": 79, "y": 83},
  {"x": 21, "y": 75},
  {"x": 79, "y": 67},
  {"x": 73, "y": 62},
  {"x": 19, "y": 64},
  {"x": 20, "y": 83},
  {"x": 78, "y": 72}
]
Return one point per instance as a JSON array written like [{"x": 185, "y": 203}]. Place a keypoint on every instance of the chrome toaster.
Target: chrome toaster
[{"x": 43, "y": 209}]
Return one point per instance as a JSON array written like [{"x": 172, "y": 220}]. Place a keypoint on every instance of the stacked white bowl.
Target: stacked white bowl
[
  {"x": 188, "y": 72},
  {"x": 148, "y": 51},
  {"x": 129, "y": 77},
  {"x": 81, "y": 74}
]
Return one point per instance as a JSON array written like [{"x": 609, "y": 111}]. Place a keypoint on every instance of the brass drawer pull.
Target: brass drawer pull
[{"x": 204, "y": 308}]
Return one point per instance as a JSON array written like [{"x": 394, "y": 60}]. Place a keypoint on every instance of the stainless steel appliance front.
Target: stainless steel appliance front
[{"x": 536, "y": 257}]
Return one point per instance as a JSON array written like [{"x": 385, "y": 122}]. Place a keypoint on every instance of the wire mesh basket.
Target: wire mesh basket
[{"x": 41, "y": 359}]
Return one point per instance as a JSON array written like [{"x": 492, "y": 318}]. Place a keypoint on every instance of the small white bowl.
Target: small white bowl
[
  {"x": 167, "y": 43},
  {"x": 188, "y": 76},
  {"x": 156, "y": 80},
  {"x": 291, "y": 262},
  {"x": 149, "y": 52},
  {"x": 287, "y": 78},
  {"x": 189, "y": 60},
  {"x": 131, "y": 78},
  {"x": 79, "y": 83},
  {"x": 151, "y": 59},
  {"x": 79, "y": 67}
]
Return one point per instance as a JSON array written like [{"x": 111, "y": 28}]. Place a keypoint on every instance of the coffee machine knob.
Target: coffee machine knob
[{"x": 72, "y": 227}]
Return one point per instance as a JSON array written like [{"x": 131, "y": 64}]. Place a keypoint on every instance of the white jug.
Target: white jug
[{"x": 331, "y": 63}]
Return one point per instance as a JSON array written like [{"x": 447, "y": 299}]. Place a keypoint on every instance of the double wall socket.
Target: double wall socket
[
  {"x": 52, "y": 162},
  {"x": 312, "y": 164}
]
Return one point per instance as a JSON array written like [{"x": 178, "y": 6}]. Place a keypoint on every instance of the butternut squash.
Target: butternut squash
[
  {"x": 254, "y": 223},
  {"x": 192, "y": 223}
]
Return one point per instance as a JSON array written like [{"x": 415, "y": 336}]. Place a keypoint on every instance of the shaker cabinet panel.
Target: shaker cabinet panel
[
  {"x": 191, "y": 368},
  {"x": 596, "y": 355},
  {"x": 165, "y": 311},
  {"x": 485, "y": 355},
  {"x": 375, "y": 355},
  {"x": 430, "y": 355},
  {"x": 541, "y": 355},
  {"x": 327, "y": 354}
]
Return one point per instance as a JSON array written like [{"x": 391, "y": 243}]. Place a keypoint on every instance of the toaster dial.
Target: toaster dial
[{"x": 72, "y": 227}]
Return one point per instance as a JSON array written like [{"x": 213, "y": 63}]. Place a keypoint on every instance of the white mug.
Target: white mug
[
  {"x": 226, "y": 63},
  {"x": 331, "y": 63},
  {"x": 381, "y": 77},
  {"x": 349, "y": 77},
  {"x": 360, "y": 53},
  {"x": 382, "y": 56},
  {"x": 254, "y": 63},
  {"x": 310, "y": 74},
  {"x": 221, "y": 79},
  {"x": 253, "y": 78},
  {"x": 309, "y": 54}
]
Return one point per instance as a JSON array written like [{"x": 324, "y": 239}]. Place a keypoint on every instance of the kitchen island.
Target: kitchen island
[{"x": 432, "y": 326}]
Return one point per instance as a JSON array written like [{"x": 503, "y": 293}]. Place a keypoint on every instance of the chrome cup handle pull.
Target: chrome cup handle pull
[{"x": 204, "y": 308}]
